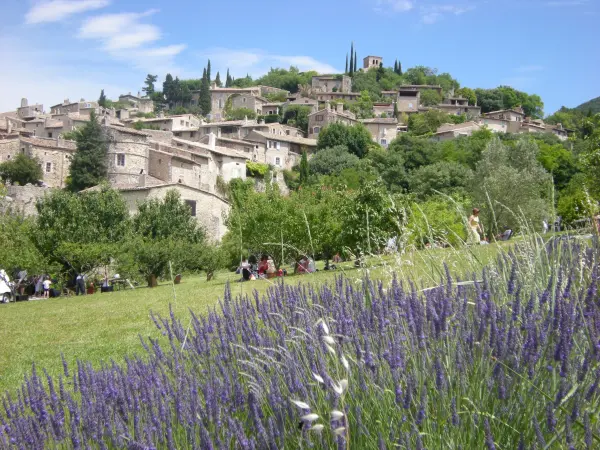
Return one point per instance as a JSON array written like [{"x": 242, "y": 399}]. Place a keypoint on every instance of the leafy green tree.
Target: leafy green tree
[
  {"x": 506, "y": 97},
  {"x": 389, "y": 165},
  {"x": 297, "y": 116},
  {"x": 243, "y": 82},
  {"x": 288, "y": 80},
  {"x": 427, "y": 122},
  {"x": 21, "y": 170},
  {"x": 88, "y": 165},
  {"x": 511, "y": 187},
  {"x": 430, "y": 97},
  {"x": 81, "y": 231},
  {"x": 363, "y": 107},
  {"x": 446, "y": 177},
  {"x": 558, "y": 161},
  {"x": 380, "y": 73},
  {"x": 356, "y": 138},
  {"x": 169, "y": 218},
  {"x": 332, "y": 160},
  {"x": 218, "y": 80},
  {"x": 102, "y": 99},
  {"x": 367, "y": 81},
  {"x": 149, "y": 82},
  {"x": 241, "y": 114},
  {"x": 415, "y": 151},
  {"x": 18, "y": 250},
  {"x": 467, "y": 93}
]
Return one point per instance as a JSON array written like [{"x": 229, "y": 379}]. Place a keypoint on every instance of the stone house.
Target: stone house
[
  {"x": 331, "y": 83},
  {"x": 383, "y": 130},
  {"x": 137, "y": 103},
  {"x": 249, "y": 101},
  {"x": 457, "y": 106},
  {"x": 337, "y": 96},
  {"x": 371, "y": 61},
  {"x": 183, "y": 122},
  {"x": 386, "y": 108},
  {"x": 319, "y": 119},
  {"x": 281, "y": 151},
  {"x": 408, "y": 100},
  {"x": 559, "y": 131},
  {"x": 451, "y": 131},
  {"x": 84, "y": 108},
  {"x": 28, "y": 112},
  {"x": 302, "y": 101},
  {"x": 512, "y": 115},
  {"x": 54, "y": 156}
]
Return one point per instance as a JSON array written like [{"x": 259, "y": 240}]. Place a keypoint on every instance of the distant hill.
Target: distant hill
[{"x": 593, "y": 104}]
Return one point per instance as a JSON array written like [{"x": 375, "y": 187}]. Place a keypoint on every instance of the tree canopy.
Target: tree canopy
[{"x": 22, "y": 169}]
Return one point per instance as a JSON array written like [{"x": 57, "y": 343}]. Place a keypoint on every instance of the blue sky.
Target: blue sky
[{"x": 56, "y": 49}]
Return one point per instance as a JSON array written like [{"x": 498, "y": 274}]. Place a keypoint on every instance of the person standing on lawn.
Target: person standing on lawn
[
  {"x": 80, "y": 285},
  {"x": 47, "y": 283},
  {"x": 475, "y": 228}
]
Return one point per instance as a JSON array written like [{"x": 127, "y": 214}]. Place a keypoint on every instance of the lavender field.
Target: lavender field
[{"x": 506, "y": 359}]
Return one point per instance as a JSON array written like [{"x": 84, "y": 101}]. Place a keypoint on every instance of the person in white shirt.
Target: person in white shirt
[{"x": 47, "y": 283}]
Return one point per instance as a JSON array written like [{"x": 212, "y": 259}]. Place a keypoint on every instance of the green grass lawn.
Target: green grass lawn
[{"x": 102, "y": 327}]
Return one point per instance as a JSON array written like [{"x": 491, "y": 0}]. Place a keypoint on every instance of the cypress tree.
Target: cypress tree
[
  {"x": 396, "y": 66},
  {"x": 399, "y": 68},
  {"x": 396, "y": 110},
  {"x": 208, "y": 72},
  {"x": 102, "y": 99},
  {"x": 204, "y": 101},
  {"x": 218, "y": 80},
  {"x": 168, "y": 89},
  {"x": 346, "y": 70},
  {"x": 351, "y": 58},
  {"x": 89, "y": 163},
  {"x": 304, "y": 169},
  {"x": 228, "y": 80},
  {"x": 355, "y": 59}
]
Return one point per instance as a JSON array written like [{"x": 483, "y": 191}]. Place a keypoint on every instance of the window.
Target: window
[
  {"x": 49, "y": 135},
  {"x": 181, "y": 122},
  {"x": 120, "y": 159},
  {"x": 244, "y": 99},
  {"x": 383, "y": 142},
  {"x": 220, "y": 105},
  {"x": 48, "y": 167},
  {"x": 410, "y": 105},
  {"x": 316, "y": 130},
  {"x": 319, "y": 118},
  {"x": 7, "y": 156},
  {"x": 278, "y": 161},
  {"x": 192, "y": 205},
  {"x": 187, "y": 124}
]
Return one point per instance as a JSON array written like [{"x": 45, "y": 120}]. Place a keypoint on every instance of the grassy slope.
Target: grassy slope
[{"x": 107, "y": 326}]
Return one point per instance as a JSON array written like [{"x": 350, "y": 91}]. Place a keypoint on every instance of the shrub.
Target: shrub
[
  {"x": 256, "y": 169},
  {"x": 241, "y": 114},
  {"x": 21, "y": 170}
]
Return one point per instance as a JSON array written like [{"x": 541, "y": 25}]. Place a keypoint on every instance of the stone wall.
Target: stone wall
[
  {"x": 134, "y": 146},
  {"x": 164, "y": 137},
  {"x": 8, "y": 149},
  {"x": 24, "y": 198}
]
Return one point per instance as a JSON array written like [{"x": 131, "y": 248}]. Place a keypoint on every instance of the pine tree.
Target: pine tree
[
  {"x": 208, "y": 72},
  {"x": 204, "y": 101},
  {"x": 89, "y": 163},
  {"x": 218, "y": 80},
  {"x": 346, "y": 70},
  {"x": 351, "y": 58},
  {"x": 355, "y": 61},
  {"x": 228, "y": 80},
  {"x": 102, "y": 99},
  {"x": 149, "y": 82}
]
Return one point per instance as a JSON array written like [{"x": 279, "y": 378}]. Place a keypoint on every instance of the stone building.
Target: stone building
[
  {"x": 452, "y": 131},
  {"x": 128, "y": 153},
  {"x": 319, "y": 119},
  {"x": 137, "y": 103},
  {"x": 280, "y": 150},
  {"x": 512, "y": 115},
  {"x": 386, "y": 108},
  {"x": 337, "y": 96},
  {"x": 54, "y": 156},
  {"x": 302, "y": 101},
  {"x": 331, "y": 83},
  {"x": 383, "y": 130},
  {"x": 28, "y": 112},
  {"x": 457, "y": 106},
  {"x": 82, "y": 107},
  {"x": 408, "y": 100},
  {"x": 372, "y": 61}
]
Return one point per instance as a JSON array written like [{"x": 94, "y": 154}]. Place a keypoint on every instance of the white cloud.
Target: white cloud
[
  {"x": 394, "y": 6},
  {"x": 258, "y": 62},
  {"x": 120, "y": 31},
  {"x": 56, "y": 10},
  {"x": 431, "y": 14}
]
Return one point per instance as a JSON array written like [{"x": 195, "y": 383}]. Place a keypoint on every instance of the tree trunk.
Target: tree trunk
[{"x": 152, "y": 281}]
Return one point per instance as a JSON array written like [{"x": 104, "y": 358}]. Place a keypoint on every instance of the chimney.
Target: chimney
[
  {"x": 161, "y": 115},
  {"x": 212, "y": 140},
  {"x": 213, "y": 85},
  {"x": 66, "y": 101},
  {"x": 142, "y": 180},
  {"x": 139, "y": 94},
  {"x": 24, "y": 103},
  {"x": 339, "y": 107},
  {"x": 9, "y": 125}
]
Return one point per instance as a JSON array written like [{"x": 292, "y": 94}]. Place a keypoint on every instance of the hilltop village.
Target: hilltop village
[{"x": 151, "y": 151}]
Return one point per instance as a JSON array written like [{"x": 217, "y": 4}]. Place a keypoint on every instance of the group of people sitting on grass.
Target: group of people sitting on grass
[{"x": 265, "y": 268}]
